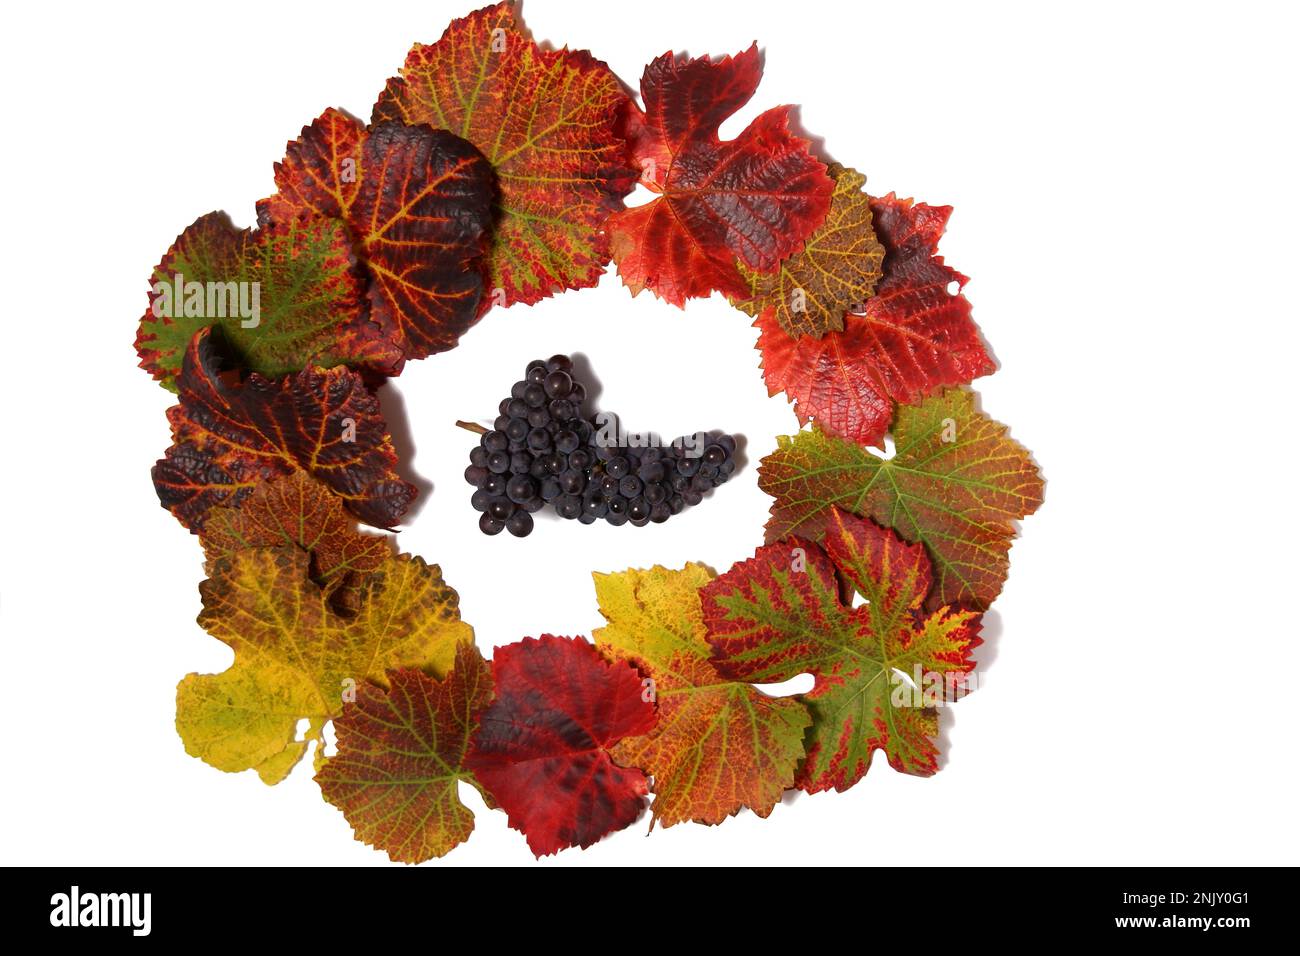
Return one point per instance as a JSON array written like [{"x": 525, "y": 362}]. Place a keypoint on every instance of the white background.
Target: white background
[{"x": 1124, "y": 178}]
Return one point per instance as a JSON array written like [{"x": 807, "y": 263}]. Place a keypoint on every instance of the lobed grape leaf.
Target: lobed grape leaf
[
  {"x": 417, "y": 203},
  {"x": 779, "y": 614},
  {"x": 401, "y": 754},
  {"x": 751, "y": 201},
  {"x": 542, "y": 748},
  {"x": 229, "y": 436},
  {"x": 296, "y": 658},
  {"x": 309, "y": 304},
  {"x": 957, "y": 484},
  {"x": 914, "y": 336},
  {"x": 836, "y": 271},
  {"x": 547, "y": 121},
  {"x": 298, "y": 511},
  {"x": 719, "y": 744}
]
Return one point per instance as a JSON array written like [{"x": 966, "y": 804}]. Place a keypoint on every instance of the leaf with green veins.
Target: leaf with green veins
[
  {"x": 779, "y": 614},
  {"x": 957, "y": 484},
  {"x": 719, "y": 745},
  {"x": 295, "y": 655},
  {"x": 401, "y": 754}
]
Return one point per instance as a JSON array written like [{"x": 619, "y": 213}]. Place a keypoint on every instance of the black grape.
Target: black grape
[{"x": 541, "y": 452}]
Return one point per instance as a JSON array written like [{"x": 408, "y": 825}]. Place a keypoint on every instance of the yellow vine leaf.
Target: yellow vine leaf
[{"x": 297, "y": 658}]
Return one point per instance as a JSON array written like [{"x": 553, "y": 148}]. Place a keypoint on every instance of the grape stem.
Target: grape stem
[{"x": 472, "y": 427}]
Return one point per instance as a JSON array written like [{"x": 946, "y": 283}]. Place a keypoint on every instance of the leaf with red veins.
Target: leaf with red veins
[
  {"x": 542, "y": 749},
  {"x": 755, "y": 199},
  {"x": 779, "y": 614},
  {"x": 914, "y": 337},
  {"x": 229, "y": 435},
  {"x": 418, "y": 204},
  {"x": 547, "y": 120},
  {"x": 401, "y": 754}
]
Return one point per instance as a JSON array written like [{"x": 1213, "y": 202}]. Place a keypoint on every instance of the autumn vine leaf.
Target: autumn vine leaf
[
  {"x": 836, "y": 272},
  {"x": 914, "y": 336},
  {"x": 417, "y": 203},
  {"x": 546, "y": 120},
  {"x": 298, "y": 511},
  {"x": 296, "y": 657},
  {"x": 957, "y": 484},
  {"x": 401, "y": 754},
  {"x": 543, "y": 748},
  {"x": 285, "y": 298},
  {"x": 779, "y": 614},
  {"x": 228, "y": 436},
  {"x": 719, "y": 744},
  {"x": 748, "y": 202}
]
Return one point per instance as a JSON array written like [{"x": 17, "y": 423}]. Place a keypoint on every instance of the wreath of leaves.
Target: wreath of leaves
[{"x": 493, "y": 173}]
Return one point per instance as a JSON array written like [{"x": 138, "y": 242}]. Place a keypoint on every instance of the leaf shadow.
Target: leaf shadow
[
  {"x": 392, "y": 405},
  {"x": 738, "y": 456},
  {"x": 816, "y": 144},
  {"x": 584, "y": 373},
  {"x": 990, "y": 638}
]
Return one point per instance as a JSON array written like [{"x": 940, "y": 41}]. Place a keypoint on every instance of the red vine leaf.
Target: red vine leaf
[
  {"x": 779, "y": 614},
  {"x": 298, "y": 511},
  {"x": 542, "y": 749},
  {"x": 401, "y": 754},
  {"x": 229, "y": 435},
  {"x": 417, "y": 202},
  {"x": 755, "y": 199},
  {"x": 914, "y": 337},
  {"x": 546, "y": 120}
]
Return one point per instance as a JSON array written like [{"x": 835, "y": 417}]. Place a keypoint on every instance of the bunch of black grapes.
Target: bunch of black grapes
[{"x": 542, "y": 451}]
